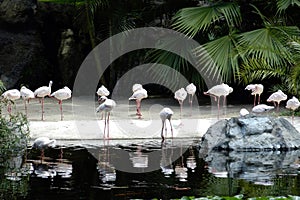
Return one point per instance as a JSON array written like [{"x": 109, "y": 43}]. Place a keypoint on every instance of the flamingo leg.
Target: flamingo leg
[
  {"x": 218, "y": 107},
  {"x": 171, "y": 127},
  {"x": 258, "y": 102},
  {"x": 162, "y": 131},
  {"x": 108, "y": 125},
  {"x": 278, "y": 106},
  {"x": 104, "y": 125},
  {"x": 61, "y": 110},
  {"x": 254, "y": 103},
  {"x": 42, "y": 100},
  {"x": 25, "y": 105}
]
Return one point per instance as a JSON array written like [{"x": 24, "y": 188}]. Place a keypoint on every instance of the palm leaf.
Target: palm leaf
[
  {"x": 192, "y": 20},
  {"x": 2, "y": 87},
  {"x": 284, "y": 4},
  {"x": 269, "y": 44},
  {"x": 259, "y": 69},
  {"x": 220, "y": 56}
]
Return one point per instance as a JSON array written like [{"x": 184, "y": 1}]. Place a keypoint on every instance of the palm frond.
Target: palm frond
[
  {"x": 192, "y": 20},
  {"x": 179, "y": 61},
  {"x": 284, "y": 4},
  {"x": 220, "y": 56},
  {"x": 259, "y": 69},
  {"x": 269, "y": 44}
]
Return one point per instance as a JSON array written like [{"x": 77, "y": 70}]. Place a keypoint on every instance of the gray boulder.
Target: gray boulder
[{"x": 250, "y": 133}]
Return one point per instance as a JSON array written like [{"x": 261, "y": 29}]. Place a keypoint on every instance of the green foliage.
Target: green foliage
[
  {"x": 2, "y": 87},
  {"x": 14, "y": 135},
  {"x": 238, "y": 197}
]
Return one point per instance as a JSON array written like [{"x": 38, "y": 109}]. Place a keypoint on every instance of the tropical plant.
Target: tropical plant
[
  {"x": 2, "y": 87},
  {"x": 233, "y": 50}
]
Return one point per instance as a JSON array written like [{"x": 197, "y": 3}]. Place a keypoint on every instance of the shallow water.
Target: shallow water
[{"x": 147, "y": 170}]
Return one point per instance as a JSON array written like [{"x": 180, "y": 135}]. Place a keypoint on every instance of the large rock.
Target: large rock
[
  {"x": 250, "y": 133},
  {"x": 20, "y": 54},
  {"x": 17, "y": 12}
]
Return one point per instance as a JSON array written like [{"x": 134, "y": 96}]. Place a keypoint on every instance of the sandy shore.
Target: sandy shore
[{"x": 81, "y": 123}]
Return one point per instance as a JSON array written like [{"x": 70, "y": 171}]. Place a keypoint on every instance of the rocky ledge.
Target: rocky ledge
[{"x": 250, "y": 133}]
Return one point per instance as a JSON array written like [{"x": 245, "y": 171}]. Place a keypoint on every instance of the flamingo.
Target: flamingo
[
  {"x": 41, "y": 92},
  {"x": 43, "y": 143},
  {"x": 217, "y": 91},
  {"x": 277, "y": 97},
  {"x": 139, "y": 93},
  {"x": 60, "y": 95},
  {"x": 180, "y": 95},
  {"x": 191, "y": 89},
  {"x": 102, "y": 91},
  {"x": 293, "y": 104},
  {"x": 261, "y": 108},
  {"x": 165, "y": 114},
  {"x": 26, "y": 95},
  {"x": 106, "y": 107},
  {"x": 11, "y": 96},
  {"x": 243, "y": 112},
  {"x": 256, "y": 89}
]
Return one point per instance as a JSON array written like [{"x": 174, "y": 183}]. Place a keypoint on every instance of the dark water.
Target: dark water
[{"x": 148, "y": 170}]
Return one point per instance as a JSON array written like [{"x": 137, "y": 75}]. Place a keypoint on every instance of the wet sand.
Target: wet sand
[{"x": 80, "y": 122}]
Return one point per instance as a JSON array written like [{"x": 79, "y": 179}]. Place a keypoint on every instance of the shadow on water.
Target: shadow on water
[{"x": 147, "y": 170}]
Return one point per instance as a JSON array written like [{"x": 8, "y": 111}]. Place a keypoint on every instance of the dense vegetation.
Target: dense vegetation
[{"x": 247, "y": 40}]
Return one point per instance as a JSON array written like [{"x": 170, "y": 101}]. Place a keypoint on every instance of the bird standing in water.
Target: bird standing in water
[
  {"x": 165, "y": 114},
  {"x": 256, "y": 89},
  {"x": 62, "y": 94},
  {"x": 217, "y": 91},
  {"x": 293, "y": 104},
  {"x": 102, "y": 91},
  {"x": 191, "y": 90},
  {"x": 277, "y": 97},
  {"x": 43, "y": 143},
  {"x": 106, "y": 107},
  {"x": 180, "y": 95},
  {"x": 42, "y": 92},
  {"x": 139, "y": 93},
  {"x": 26, "y": 95}
]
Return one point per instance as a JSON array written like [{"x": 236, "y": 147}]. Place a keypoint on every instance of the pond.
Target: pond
[{"x": 145, "y": 170}]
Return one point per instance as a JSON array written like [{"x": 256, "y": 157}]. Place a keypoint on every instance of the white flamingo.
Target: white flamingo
[
  {"x": 191, "y": 90},
  {"x": 293, "y": 104},
  {"x": 277, "y": 97},
  {"x": 102, "y": 91},
  {"x": 139, "y": 93},
  {"x": 26, "y": 95},
  {"x": 262, "y": 108},
  {"x": 256, "y": 89},
  {"x": 217, "y": 91},
  {"x": 244, "y": 112},
  {"x": 62, "y": 94},
  {"x": 166, "y": 114},
  {"x": 42, "y": 92},
  {"x": 43, "y": 143},
  {"x": 180, "y": 95},
  {"x": 11, "y": 96},
  {"x": 106, "y": 107}
]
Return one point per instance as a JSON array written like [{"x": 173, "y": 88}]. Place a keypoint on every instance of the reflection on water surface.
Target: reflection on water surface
[{"x": 147, "y": 170}]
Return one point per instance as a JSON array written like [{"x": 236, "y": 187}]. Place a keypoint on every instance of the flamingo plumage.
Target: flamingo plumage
[
  {"x": 165, "y": 114},
  {"x": 277, "y": 97},
  {"x": 11, "y": 96},
  {"x": 26, "y": 95},
  {"x": 42, "y": 92},
  {"x": 139, "y": 93},
  {"x": 256, "y": 90},
  {"x": 107, "y": 106},
  {"x": 62, "y": 94}
]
